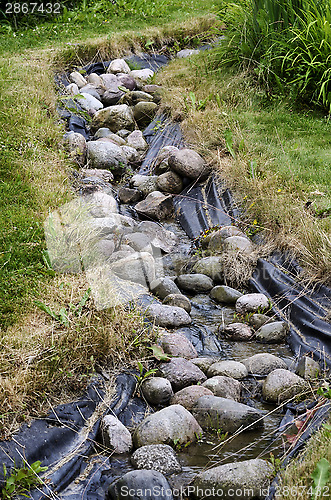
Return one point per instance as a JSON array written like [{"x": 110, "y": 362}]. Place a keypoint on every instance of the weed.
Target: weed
[
  {"x": 192, "y": 104},
  {"x": 144, "y": 375},
  {"x": 320, "y": 476},
  {"x": 21, "y": 480},
  {"x": 276, "y": 463}
]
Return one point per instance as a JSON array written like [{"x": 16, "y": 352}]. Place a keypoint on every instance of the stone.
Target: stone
[
  {"x": 272, "y": 333},
  {"x": 213, "y": 413},
  {"x": 215, "y": 244},
  {"x": 109, "y": 81},
  {"x": 189, "y": 395},
  {"x": 204, "y": 362},
  {"x": 136, "y": 140},
  {"x": 178, "y": 300},
  {"x": 171, "y": 425},
  {"x": 94, "y": 79},
  {"x": 187, "y": 53},
  {"x": 131, "y": 154},
  {"x": 118, "y": 66},
  {"x": 101, "y": 133},
  {"x": 210, "y": 266},
  {"x": 177, "y": 345},
  {"x": 98, "y": 174},
  {"x": 76, "y": 146},
  {"x": 144, "y": 112},
  {"x": 159, "y": 457},
  {"x": 224, "y": 387},
  {"x": 167, "y": 316},
  {"x": 228, "y": 368},
  {"x": 115, "y": 435},
  {"x": 72, "y": 89},
  {"x": 195, "y": 283},
  {"x": 111, "y": 224},
  {"x": 169, "y": 182},
  {"x": 263, "y": 363},
  {"x": 162, "y": 287},
  {"x": 123, "y": 133},
  {"x": 159, "y": 236},
  {"x": 308, "y": 368},
  {"x": 238, "y": 331},
  {"x": 139, "y": 242},
  {"x": 225, "y": 294},
  {"x": 182, "y": 373},
  {"x": 106, "y": 155},
  {"x": 114, "y": 138},
  {"x": 141, "y": 76},
  {"x": 281, "y": 385},
  {"x": 162, "y": 159},
  {"x": 92, "y": 90},
  {"x": 138, "y": 267},
  {"x": 78, "y": 79},
  {"x": 188, "y": 163},
  {"x": 145, "y": 183},
  {"x": 89, "y": 103},
  {"x": 106, "y": 247},
  {"x": 112, "y": 96},
  {"x": 101, "y": 204},
  {"x": 238, "y": 244},
  {"x": 143, "y": 483},
  {"x": 249, "y": 480},
  {"x": 127, "y": 195},
  {"x": 252, "y": 302},
  {"x": 126, "y": 81},
  {"x": 157, "y": 390},
  {"x": 114, "y": 117},
  {"x": 151, "y": 88},
  {"x": 132, "y": 98},
  {"x": 156, "y": 206},
  {"x": 258, "y": 320}
]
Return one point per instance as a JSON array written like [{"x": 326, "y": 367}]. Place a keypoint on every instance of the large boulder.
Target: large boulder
[
  {"x": 159, "y": 457},
  {"x": 156, "y": 206},
  {"x": 115, "y": 435},
  {"x": 263, "y": 363},
  {"x": 189, "y": 395},
  {"x": 106, "y": 155},
  {"x": 225, "y": 294},
  {"x": 182, "y": 373},
  {"x": 210, "y": 266},
  {"x": 214, "y": 413},
  {"x": 114, "y": 117},
  {"x": 281, "y": 385},
  {"x": 167, "y": 316},
  {"x": 138, "y": 267},
  {"x": 188, "y": 163},
  {"x": 252, "y": 302},
  {"x": 143, "y": 483},
  {"x": 178, "y": 345},
  {"x": 246, "y": 480},
  {"x": 195, "y": 283},
  {"x": 157, "y": 390},
  {"x": 172, "y": 425},
  {"x": 224, "y": 387},
  {"x": 272, "y": 333},
  {"x": 228, "y": 368}
]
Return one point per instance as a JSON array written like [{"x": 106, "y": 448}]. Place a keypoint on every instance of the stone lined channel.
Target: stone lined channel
[{"x": 229, "y": 364}]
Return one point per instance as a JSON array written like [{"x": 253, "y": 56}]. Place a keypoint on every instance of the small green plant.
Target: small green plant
[
  {"x": 21, "y": 480},
  {"x": 275, "y": 462},
  {"x": 324, "y": 391},
  {"x": 320, "y": 477},
  {"x": 228, "y": 137},
  {"x": 143, "y": 376},
  {"x": 192, "y": 104},
  {"x": 62, "y": 316}
]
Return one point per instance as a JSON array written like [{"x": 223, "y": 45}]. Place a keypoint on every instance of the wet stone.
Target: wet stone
[
  {"x": 159, "y": 457},
  {"x": 210, "y": 266},
  {"x": 162, "y": 287},
  {"x": 204, "y": 362},
  {"x": 308, "y": 368},
  {"x": 252, "y": 302},
  {"x": 178, "y": 300},
  {"x": 281, "y": 385},
  {"x": 167, "y": 316},
  {"x": 238, "y": 331},
  {"x": 272, "y": 333},
  {"x": 143, "y": 483},
  {"x": 225, "y": 294},
  {"x": 258, "y": 320},
  {"x": 195, "y": 283}
]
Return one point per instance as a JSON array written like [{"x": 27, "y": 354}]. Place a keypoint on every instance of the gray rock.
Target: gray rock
[
  {"x": 145, "y": 183},
  {"x": 132, "y": 98},
  {"x": 238, "y": 244},
  {"x": 159, "y": 457},
  {"x": 210, "y": 266},
  {"x": 109, "y": 81},
  {"x": 171, "y": 425},
  {"x": 188, "y": 163},
  {"x": 94, "y": 79},
  {"x": 106, "y": 155},
  {"x": 156, "y": 206},
  {"x": 111, "y": 224},
  {"x": 182, "y": 373},
  {"x": 144, "y": 112},
  {"x": 118, "y": 66},
  {"x": 151, "y": 88},
  {"x": 252, "y": 302},
  {"x": 272, "y": 333},
  {"x": 258, "y": 320},
  {"x": 281, "y": 385},
  {"x": 170, "y": 182},
  {"x": 131, "y": 154},
  {"x": 127, "y": 195},
  {"x": 178, "y": 300},
  {"x": 225, "y": 294},
  {"x": 112, "y": 96},
  {"x": 143, "y": 483},
  {"x": 141, "y": 76},
  {"x": 249, "y": 480},
  {"x": 76, "y": 145},
  {"x": 263, "y": 363},
  {"x": 232, "y": 369},
  {"x": 89, "y": 103},
  {"x": 167, "y": 316},
  {"x": 98, "y": 174},
  {"x": 92, "y": 90},
  {"x": 101, "y": 204},
  {"x": 113, "y": 117},
  {"x": 162, "y": 159},
  {"x": 138, "y": 267},
  {"x": 224, "y": 387},
  {"x": 106, "y": 247},
  {"x": 126, "y": 81},
  {"x": 136, "y": 140},
  {"x": 214, "y": 413},
  {"x": 116, "y": 139},
  {"x": 139, "y": 242},
  {"x": 157, "y": 390},
  {"x": 78, "y": 79},
  {"x": 123, "y": 133},
  {"x": 217, "y": 238},
  {"x": 102, "y": 132},
  {"x": 159, "y": 236},
  {"x": 72, "y": 89},
  {"x": 115, "y": 435},
  {"x": 163, "y": 287},
  {"x": 195, "y": 283},
  {"x": 187, "y": 53},
  {"x": 188, "y": 396},
  {"x": 308, "y": 368},
  {"x": 238, "y": 331},
  {"x": 204, "y": 362},
  {"x": 178, "y": 345}
]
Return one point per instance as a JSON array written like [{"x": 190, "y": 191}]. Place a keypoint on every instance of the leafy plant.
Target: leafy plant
[
  {"x": 275, "y": 462},
  {"x": 228, "y": 137},
  {"x": 320, "y": 477},
  {"x": 21, "y": 480},
  {"x": 143, "y": 376},
  {"x": 62, "y": 316},
  {"x": 191, "y": 102},
  {"x": 159, "y": 353}
]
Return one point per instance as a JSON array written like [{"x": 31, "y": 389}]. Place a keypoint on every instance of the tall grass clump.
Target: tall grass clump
[{"x": 286, "y": 43}]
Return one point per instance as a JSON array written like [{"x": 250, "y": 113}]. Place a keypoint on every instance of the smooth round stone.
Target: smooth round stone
[
  {"x": 252, "y": 302},
  {"x": 232, "y": 369},
  {"x": 204, "y": 362},
  {"x": 238, "y": 244},
  {"x": 210, "y": 266},
  {"x": 144, "y": 112},
  {"x": 181, "y": 373},
  {"x": 225, "y": 294},
  {"x": 272, "y": 333},
  {"x": 224, "y": 387},
  {"x": 157, "y": 390},
  {"x": 188, "y": 163},
  {"x": 196, "y": 283},
  {"x": 258, "y": 320},
  {"x": 178, "y": 345},
  {"x": 281, "y": 385},
  {"x": 238, "y": 331},
  {"x": 263, "y": 363},
  {"x": 170, "y": 182},
  {"x": 143, "y": 482},
  {"x": 189, "y": 395},
  {"x": 178, "y": 300},
  {"x": 162, "y": 287}
]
